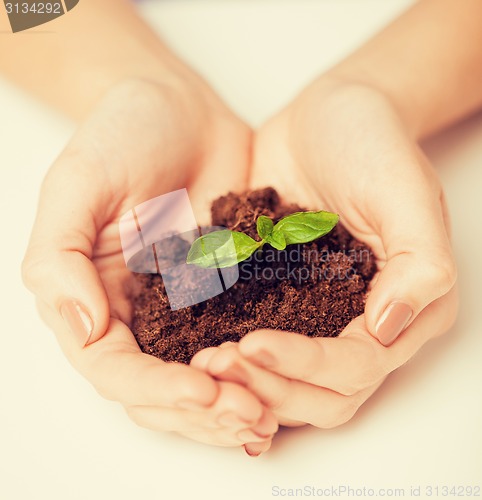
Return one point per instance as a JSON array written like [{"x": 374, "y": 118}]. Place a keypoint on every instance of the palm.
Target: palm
[
  {"x": 349, "y": 156},
  {"x": 152, "y": 150},
  {"x": 276, "y": 165}
]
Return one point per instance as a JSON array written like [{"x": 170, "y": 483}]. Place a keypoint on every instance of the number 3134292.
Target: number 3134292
[{"x": 34, "y": 8}]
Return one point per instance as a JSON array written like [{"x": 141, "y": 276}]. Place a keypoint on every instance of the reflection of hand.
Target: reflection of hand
[
  {"x": 141, "y": 141},
  {"x": 343, "y": 148}
]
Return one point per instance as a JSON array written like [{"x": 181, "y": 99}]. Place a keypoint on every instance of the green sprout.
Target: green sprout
[{"x": 226, "y": 248}]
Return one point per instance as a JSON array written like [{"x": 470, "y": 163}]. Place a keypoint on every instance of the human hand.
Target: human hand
[
  {"x": 142, "y": 140},
  {"x": 343, "y": 148}
]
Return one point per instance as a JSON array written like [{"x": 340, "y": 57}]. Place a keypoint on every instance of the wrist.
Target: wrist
[
  {"x": 333, "y": 96},
  {"x": 396, "y": 95},
  {"x": 78, "y": 96}
]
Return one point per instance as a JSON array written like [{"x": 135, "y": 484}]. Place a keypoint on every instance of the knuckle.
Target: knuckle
[
  {"x": 98, "y": 372},
  {"x": 443, "y": 272},
  {"x": 313, "y": 363},
  {"x": 344, "y": 413},
  {"x": 226, "y": 356},
  {"x": 201, "y": 359},
  {"x": 367, "y": 379},
  {"x": 370, "y": 375},
  {"x": 450, "y": 311},
  {"x": 276, "y": 400},
  {"x": 104, "y": 390},
  {"x": 348, "y": 412},
  {"x": 352, "y": 388},
  {"x": 35, "y": 269},
  {"x": 179, "y": 379},
  {"x": 373, "y": 367},
  {"x": 137, "y": 415},
  {"x": 226, "y": 345},
  {"x": 29, "y": 269},
  {"x": 134, "y": 414},
  {"x": 222, "y": 359}
]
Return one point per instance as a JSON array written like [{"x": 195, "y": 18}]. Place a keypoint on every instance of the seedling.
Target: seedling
[{"x": 226, "y": 248}]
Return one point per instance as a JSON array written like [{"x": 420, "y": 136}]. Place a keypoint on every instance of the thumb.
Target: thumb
[
  {"x": 419, "y": 265},
  {"x": 57, "y": 266}
]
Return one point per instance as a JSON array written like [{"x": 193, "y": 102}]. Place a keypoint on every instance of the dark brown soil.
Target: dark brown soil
[{"x": 315, "y": 289}]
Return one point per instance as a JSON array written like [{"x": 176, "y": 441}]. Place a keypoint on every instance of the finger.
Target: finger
[
  {"x": 119, "y": 371},
  {"x": 214, "y": 438},
  {"x": 57, "y": 267},
  {"x": 134, "y": 378},
  {"x": 201, "y": 359},
  {"x": 237, "y": 409},
  {"x": 160, "y": 419},
  {"x": 289, "y": 399},
  {"x": 255, "y": 449},
  {"x": 345, "y": 365},
  {"x": 229, "y": 414},
  {"x": 351, "y": 362},
  {"x": 267, "y": 424},
  {"x": 186, "y": 424},
  {"x": 233, "y": 429},
  {"x": 419, "y": 266}
]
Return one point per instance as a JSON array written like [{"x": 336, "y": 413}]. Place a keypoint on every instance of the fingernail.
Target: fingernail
[
  {"x": 392, "y": 322},
  {"x": 263, "y": 358},
  {"x": 251, "y": 452},
  {"x": 230, "y": 419},
  {"x": 78, "y": 320},
  {"x": 235, "y": 373}
]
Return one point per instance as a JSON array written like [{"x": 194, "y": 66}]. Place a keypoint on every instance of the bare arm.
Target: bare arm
[
  {"x": 428, "y": 62},
  {"x": 158, "y": 128},
  {"x": 71, "y": 61},
  {"x": 347, "y": 144}
]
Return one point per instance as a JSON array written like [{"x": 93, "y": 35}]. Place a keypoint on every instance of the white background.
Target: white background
[{"x": 59, "y": 440}]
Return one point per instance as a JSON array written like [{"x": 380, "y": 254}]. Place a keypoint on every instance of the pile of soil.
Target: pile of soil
[{"x": 314, "y": 289}]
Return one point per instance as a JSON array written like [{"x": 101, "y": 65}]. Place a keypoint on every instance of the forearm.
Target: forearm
[
  {"x": 84, "y": 52},
  {"x": 428, "y": 63}
]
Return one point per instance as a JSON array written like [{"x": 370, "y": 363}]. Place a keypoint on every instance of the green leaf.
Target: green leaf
[
  {"x": 221, "y": 249},
  {"x": 277, "y": 240},
  {"x": 303, "y": 227},
  {"x": 264, "y": 226}
]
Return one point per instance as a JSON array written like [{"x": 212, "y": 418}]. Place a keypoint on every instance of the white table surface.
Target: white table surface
[{"x": 59, "y": 440}]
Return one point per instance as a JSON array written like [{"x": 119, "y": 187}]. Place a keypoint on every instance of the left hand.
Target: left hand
[
  {"x": 343, "y": 148},
  {"x": 318, "y": 381}
]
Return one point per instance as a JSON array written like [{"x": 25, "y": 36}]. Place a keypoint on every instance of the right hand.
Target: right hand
[
  {"x": 344, "y": 148},
  {"x": 142, "y": 140}
]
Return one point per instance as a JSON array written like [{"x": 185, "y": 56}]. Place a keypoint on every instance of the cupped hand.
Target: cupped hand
[
  {"x": 142, "y": 140},
  {"x": 342, "y": 147}
]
